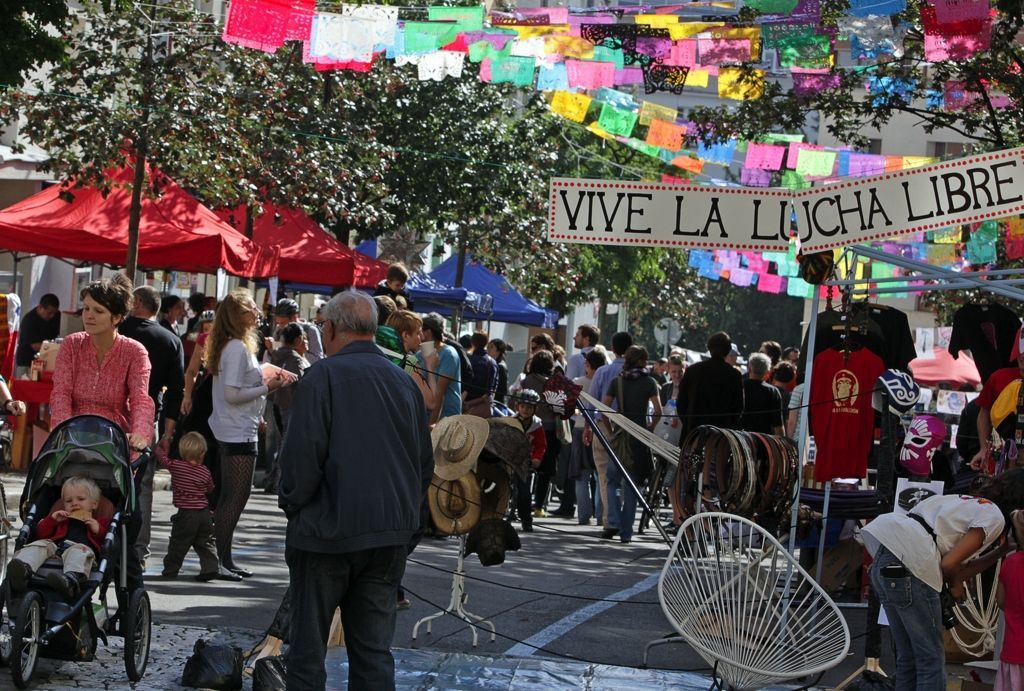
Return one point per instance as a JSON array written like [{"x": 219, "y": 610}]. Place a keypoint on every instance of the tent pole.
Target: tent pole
[
  {"x": 460, "y": 271},
  {"x": 803, "y": 445}
]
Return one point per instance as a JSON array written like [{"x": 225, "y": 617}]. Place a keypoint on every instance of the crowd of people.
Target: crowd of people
[{"x": 204, "y": 395}]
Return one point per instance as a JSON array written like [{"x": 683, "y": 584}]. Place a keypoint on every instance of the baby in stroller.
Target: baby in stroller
[{"x": 72, "y": 531}]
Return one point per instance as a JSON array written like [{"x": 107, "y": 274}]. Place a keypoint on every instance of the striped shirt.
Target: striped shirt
[{"x": 189, "y": 483}]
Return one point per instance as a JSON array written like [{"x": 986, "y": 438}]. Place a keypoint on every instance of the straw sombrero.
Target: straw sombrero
[
  {"x": 454, "y": 504},
  {"x": 457, "y": 442}
]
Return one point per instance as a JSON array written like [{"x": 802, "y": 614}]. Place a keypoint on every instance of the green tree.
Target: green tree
[
  {"x": 33, "y": 33},
  {"x": 232, "y": 125}
]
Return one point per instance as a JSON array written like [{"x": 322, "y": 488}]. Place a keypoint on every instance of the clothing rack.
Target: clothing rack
[
  {"x": 947, "y": 280},
  {"x": 457, "y": 603}
]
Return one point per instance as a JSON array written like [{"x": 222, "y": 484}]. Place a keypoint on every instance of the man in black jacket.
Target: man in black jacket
[
  {"x": 166, "y": 386},
  {"x": 356, "y": 462}
]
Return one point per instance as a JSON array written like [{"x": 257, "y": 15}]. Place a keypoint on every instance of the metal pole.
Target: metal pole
[
  {"x": 938, "y": 273},
  {"x": 802, "y": 442},
  {"x": 588, "y": 414},
  {"x": 460, "y": 271}
]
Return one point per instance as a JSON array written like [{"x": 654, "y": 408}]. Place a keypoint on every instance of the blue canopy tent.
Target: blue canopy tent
[
  {"x": 430, "y": 295},
  {"x": 508, "y": 306}
]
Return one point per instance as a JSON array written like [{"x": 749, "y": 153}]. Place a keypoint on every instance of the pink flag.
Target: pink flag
[
  {"x": 585, "y": 74},
  {"x": 714, "y": 51},
  {"x": 769, "y": 283},
  {"x": 765, "y": 156}
]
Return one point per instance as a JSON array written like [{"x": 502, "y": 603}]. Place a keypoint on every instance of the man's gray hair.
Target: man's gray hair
[
  {"x": 758, "y": 364},
  {"x": 351, "y": 311},
  {"x": 148, "y": 297}
]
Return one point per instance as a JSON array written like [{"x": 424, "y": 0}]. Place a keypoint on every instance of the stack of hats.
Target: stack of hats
[
  {"x": 454, "y": 493},
  {"x": 471, "y": 488}
]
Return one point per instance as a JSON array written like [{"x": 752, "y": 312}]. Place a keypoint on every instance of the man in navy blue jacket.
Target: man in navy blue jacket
[{"x": 356, "y": 462}]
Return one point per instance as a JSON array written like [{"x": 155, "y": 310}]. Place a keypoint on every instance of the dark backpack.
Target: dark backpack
[{"x": 466, "y": 367}]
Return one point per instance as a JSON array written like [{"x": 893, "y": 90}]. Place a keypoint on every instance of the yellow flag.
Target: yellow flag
[
  {"x": 697, "y": 78},
  {"x": 532, "y": 31},
  {"x": 657, "y": 21},
  {"x": 917, "y": 161},
  {"x": 730, "y": 86},
  {"x": 569, "y": 46},
  {"x": 652, "y": 111},
  {"x": 570, "y": 106}
]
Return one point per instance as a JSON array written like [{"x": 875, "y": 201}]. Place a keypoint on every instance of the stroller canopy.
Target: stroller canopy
[{"x": 86, "y": 445}]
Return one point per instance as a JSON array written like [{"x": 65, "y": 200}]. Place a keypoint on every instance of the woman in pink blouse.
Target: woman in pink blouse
[{"x": 99, "y": 371}]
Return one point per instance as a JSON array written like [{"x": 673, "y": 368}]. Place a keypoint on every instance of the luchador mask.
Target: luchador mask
[{"x": 924, "y": 437}]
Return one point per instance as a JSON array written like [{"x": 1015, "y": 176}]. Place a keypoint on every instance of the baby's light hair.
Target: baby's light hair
[
  {"x": 192, "y": 447},
  {"x": 78, "y": 481}
]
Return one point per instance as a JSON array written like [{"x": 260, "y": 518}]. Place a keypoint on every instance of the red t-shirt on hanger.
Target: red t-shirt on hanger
[{"x": 841, "y": 417}]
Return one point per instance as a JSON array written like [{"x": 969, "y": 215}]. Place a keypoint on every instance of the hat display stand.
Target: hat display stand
[{"x": 456, "y": 606}]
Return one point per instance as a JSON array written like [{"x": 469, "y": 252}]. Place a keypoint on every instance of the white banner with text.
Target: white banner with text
[{"x": 967, "y": 190}]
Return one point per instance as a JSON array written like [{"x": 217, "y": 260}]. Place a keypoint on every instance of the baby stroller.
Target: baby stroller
[{"x": 40, "y": 622}]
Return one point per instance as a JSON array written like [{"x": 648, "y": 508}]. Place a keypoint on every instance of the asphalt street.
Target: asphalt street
[{"x": 567, "y": 595}]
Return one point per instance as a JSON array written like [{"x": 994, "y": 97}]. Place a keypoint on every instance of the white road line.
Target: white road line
[{"x": 563, "y": 626}]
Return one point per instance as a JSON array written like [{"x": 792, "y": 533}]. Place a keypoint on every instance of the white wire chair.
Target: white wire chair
[{"x": 743, "y": 603}]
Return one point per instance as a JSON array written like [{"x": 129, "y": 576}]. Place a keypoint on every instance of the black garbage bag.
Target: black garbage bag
[
  {"x": 213, "y": 667},
  {"x": 269, "y": 674}
]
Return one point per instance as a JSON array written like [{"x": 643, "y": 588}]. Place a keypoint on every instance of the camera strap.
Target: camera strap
[{"x": 924, "y": 524}]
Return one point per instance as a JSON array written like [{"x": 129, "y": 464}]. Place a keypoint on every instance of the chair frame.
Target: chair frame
[{"x": 742, "y": 602}]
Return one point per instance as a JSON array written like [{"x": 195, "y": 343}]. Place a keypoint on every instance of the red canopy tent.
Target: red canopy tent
[
  {"x": 309, "y": 255},
  {"x": 944, "y": 368},
  {"x": 175, "y": 230}
]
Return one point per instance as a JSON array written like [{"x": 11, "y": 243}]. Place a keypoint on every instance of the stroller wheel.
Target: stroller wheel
[
  {"x": 137, "y": 628},
  {"x": 25, "y": 633}
]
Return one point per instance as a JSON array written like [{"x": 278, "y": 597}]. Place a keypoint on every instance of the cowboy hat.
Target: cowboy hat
[
  {"x": 454, "y": 504},
  {"x": 457, "y": 442}
]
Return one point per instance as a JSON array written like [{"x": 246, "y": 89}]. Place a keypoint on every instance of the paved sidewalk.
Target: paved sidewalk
[{"x": 171, "y": 646}]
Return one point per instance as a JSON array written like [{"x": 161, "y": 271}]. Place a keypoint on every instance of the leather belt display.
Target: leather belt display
[{"x": 745, "y": 473}]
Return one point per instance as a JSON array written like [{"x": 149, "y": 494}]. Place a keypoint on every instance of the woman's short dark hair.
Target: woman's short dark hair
[
  {"x": 500, "y": 348},
  {"x": 544, "y": 341},
  {"x": 385, "y": 308},
  {"x": 291, "y": 333},
  {"x": 114, "y": 294},
  {"x": 635, "y": 357},
  {"x": 542, "y": 362},
  {"x": 596, "y": 358},
  {"x": 1005, "y": 490},
  {"x": 784, "y": 372},
  {"x": 479, "y": 340}
]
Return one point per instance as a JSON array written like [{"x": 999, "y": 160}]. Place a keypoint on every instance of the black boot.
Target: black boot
[{"x": 65, "y": 584}]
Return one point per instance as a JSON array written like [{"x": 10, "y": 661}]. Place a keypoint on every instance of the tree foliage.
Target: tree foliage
[{"x": 33, "y": 34}]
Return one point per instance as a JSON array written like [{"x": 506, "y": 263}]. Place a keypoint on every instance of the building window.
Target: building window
[
  {"x": 945, "y": 149},
  {"x": 875, "y": 146}
]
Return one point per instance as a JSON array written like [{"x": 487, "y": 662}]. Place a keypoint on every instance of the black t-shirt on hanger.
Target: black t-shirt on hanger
[
  {"x": 988, "y": 332},
  {"x": 899, "y": 342}
]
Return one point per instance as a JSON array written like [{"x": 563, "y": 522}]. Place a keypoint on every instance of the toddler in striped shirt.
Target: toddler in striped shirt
[{"x": 192, "y": 526}]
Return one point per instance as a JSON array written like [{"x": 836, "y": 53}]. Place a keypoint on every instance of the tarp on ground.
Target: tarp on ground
[
  {"x": 309, "y": 255},
  {"x": 508, "y": 304},
  {"x": 175, "y": 231},
  {"x": 427, "y": 294},
  {"x": 943, "y": 368}
]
